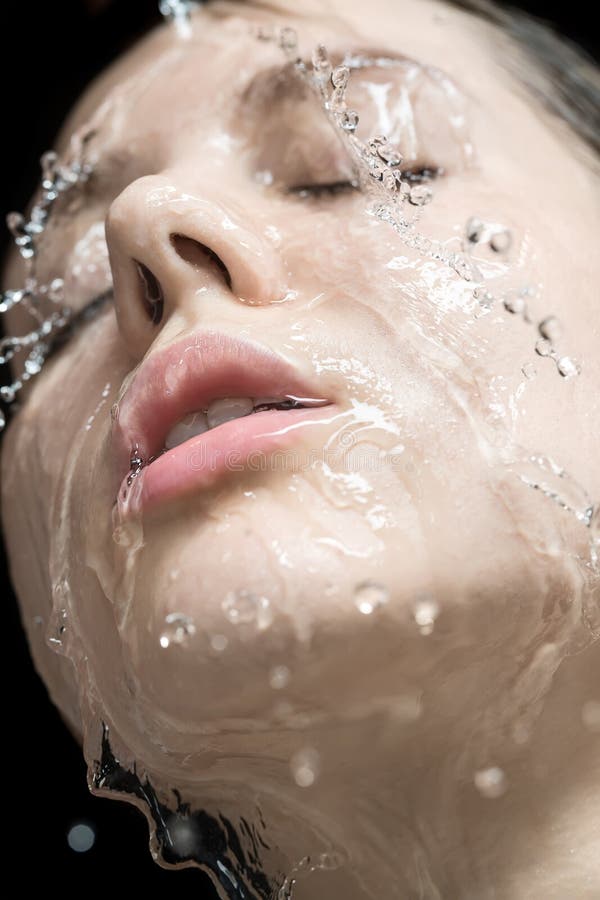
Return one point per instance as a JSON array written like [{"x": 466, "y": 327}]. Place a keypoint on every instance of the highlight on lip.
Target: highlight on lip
[{"x": 200, "y": 407}]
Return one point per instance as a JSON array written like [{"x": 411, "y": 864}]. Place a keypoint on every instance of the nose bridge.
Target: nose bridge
[{"x": 175, "y": 233}]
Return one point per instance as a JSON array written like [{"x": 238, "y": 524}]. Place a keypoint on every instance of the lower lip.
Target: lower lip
[{"x": 246, "y": 444}]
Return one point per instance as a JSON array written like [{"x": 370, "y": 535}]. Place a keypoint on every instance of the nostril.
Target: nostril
[
  {"x": 199, "y": 255},
  {"x": 152, "y": 293}
]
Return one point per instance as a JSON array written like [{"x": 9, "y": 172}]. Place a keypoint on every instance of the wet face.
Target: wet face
[{"x": 372, "y": 507}]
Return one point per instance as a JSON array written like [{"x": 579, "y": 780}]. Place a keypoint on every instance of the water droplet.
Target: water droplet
[
  {"x": 178, "y": 629},
  {"x": 590, "y": 715},
  {"x": 33, "y": 365},
  {"x": 245, "y": 607},
  {"x": 568, "y": 367},
  {"x": 500, "y": 241},
  {"x": 389, "y": 154},
  {"x": 491, "y": 782},
  {"x": 337, "y": 101},
  {"x": 15, "y": 222},
  {"x": 420, "y": 194},
  {"x": 58, "y": 627},
  {"x": 219, "y": 642},
  {"x": 183, "y": 834},
  {"x": 529, "y": 370},
  {"x": 543, "y": 474},
  {"x": 474, "y": 230},
  {"x": 544, "y": 347},
  {"x": 305, "y": 765},
  {"x": 461, "y": 266},
  {"x": 279, "y": 677},
  {"x": 329, "y": 861},
  {"x": 515, "y": 305},
  {"x": 81, "y": 838},
  {"x": 550, "y": 328},
  {"x": 340, "y": 76},
  {"x": 48, "y": 164},
  {"x": 349, "y": 120},
  {"x": 390, "y": 181},
  {"x": 369, "y": 596},
  {"x": 175, "y": 10},
  {"x": 320, "y": 60},
  {"x": 426, "y": 611}
]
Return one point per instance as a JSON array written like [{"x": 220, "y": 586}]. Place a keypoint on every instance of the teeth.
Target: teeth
[
  {"x": 195, "y": 423},
  {"x": 266, "y": 401},
  {"x": 228, "y": 408},
  {"x": 224, "y": 410}
]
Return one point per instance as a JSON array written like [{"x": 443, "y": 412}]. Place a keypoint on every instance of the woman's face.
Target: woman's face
[{"x": 295, "y": 568}]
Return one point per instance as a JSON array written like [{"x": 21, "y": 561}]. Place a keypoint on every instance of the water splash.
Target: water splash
[
  {"x": 44, "y": 302},
  {"x": 181, "y": 834}
]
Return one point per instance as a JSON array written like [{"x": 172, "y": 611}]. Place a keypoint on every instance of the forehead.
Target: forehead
[{"x": 221, "y": 32}]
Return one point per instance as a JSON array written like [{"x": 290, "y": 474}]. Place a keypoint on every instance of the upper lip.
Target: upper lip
[{"x": 186, "y": 376}]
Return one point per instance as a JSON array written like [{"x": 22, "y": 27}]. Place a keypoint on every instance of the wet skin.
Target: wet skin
[{"x": 410, "y": 481}]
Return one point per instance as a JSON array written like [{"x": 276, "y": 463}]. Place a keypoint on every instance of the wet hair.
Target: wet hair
[{"x": 559, "y": 73}]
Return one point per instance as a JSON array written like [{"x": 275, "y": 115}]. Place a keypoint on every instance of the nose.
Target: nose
[{"x": 174, "y": 251}]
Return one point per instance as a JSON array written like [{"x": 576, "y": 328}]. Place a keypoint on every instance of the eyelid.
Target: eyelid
[{"x": 331, "y": 189}]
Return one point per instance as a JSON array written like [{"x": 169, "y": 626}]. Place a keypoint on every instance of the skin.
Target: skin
[{"x": 401, "y": 720}]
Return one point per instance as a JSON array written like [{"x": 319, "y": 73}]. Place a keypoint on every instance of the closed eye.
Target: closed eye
[
  {"x": 327, "y": 191},
  {"x": 418, "y": 174},
  {"x": 334, "y": 189}
]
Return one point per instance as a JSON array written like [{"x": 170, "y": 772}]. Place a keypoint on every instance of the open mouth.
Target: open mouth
[
  {"x": 227, "y": 409},
  {"x": 207, "y": 405}
]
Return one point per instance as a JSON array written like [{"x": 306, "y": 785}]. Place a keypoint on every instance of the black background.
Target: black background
[{"x": 48, "y": 52}]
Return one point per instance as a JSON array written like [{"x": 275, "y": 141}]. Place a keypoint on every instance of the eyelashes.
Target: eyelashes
[
  {"x": 335, "y": 189},
  {"x": 327, "y": 191},
  {"x": 420, "y": 174}
]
